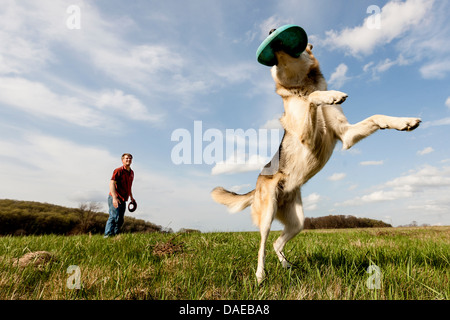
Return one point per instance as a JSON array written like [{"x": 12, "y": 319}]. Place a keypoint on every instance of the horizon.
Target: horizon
[{"x": 82, "y": 82}]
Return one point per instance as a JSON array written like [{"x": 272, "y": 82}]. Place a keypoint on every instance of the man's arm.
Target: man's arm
[
  {"x": 112, "y": 189},
  {"x": 131, "y": 190}
]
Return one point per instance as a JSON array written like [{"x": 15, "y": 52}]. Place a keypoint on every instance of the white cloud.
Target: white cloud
[
  {"x": 371, "y": 163},
  {"x": 337, "y": 176},
  {"x": 431, "y": 206},
  {"x": 447, "y": 102},
  {"x": 396, "y": 19},
  {"x": 418, "y": 185},
  {"x": 440, "y": 122},
  {"x": 140, "y": 67},
  {"x": 436, "y": 123},
  {"x": 384, "y": 65},
  {"x": 240, "y": 163},
  {"x": 425, "y": 151},
  {"x": 270, "y": 23},
  {"x": 339, "y": 76},
  {"x": 29, "y": 50},
  {"x": 311, "y": 201},
  {"x": 426, "y": 177},
  {"x": 83, "y": 108},
  {"x": 240, "y": 187},
  {"x": 47, "y": 168},
  {"x": 273, "y": 124},
  {"x": 102, "y": 42},
  {"x": 127, "y": 105},
  {"x": 429, "y": 42},
  {"x": 36, "y": 99},
  {"x": 435, "y": 69},
  {"x": 240, "y": 72},
  {"x": 19, "y": 54},
  {"x": 416, "y": 29}
]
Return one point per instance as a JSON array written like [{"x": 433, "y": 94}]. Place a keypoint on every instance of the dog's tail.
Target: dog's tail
[{"x": 235, "y": 202}]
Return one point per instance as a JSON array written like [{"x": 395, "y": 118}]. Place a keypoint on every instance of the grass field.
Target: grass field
[{"x": 414, "y": 263}]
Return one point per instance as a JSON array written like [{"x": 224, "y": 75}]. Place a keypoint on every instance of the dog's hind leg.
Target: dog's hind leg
[
  {"x": 264, "y": 209},
  {"x": 267, "y": 216},
  {"x": 293, "y": 218}
]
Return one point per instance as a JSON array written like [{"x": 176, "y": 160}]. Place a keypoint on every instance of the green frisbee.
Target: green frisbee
[{"x": 290, "y": 38}]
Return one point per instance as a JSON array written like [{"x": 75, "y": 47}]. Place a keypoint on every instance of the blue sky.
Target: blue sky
[{"x": 82, "y": 82}]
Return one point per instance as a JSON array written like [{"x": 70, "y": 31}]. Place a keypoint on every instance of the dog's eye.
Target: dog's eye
[{"x": 270, "y": 32}]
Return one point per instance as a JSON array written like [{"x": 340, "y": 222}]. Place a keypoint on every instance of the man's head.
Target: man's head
[{"x": 127, "y": 158}]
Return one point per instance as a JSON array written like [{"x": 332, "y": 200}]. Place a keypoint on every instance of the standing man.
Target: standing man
[{"x": 119, "y": 192}]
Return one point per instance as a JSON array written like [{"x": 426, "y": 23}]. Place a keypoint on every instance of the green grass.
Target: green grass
[{"x": 328, "y": 264}]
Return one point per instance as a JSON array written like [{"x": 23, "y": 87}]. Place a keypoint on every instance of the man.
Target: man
[{"x": 119, "y": 192}]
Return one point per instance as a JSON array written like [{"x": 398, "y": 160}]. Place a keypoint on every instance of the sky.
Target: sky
[{"x": 176, "y": 82}]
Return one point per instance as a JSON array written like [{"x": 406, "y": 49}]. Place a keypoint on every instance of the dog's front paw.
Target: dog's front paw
[
  {"x": 327, "y": 97},
  {"x": 409, "y": 124}
]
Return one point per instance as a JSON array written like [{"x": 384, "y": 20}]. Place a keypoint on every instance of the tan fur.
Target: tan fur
[
  {"x": 313, "y": 121},
  {"x": 235, "y": 202}
]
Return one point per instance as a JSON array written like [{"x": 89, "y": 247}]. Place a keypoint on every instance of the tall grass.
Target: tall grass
[{"x": 414, "y": 264}]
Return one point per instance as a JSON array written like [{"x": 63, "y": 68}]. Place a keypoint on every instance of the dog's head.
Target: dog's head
[{"x": 301, "y": 72}]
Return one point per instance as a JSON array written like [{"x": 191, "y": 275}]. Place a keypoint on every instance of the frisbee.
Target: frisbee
[
  {"x": 290, "y": 38},
  {"x": 132, "y": 206}
]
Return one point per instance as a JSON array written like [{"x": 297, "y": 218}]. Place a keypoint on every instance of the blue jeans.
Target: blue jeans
[{"x": 116, "y": 215}]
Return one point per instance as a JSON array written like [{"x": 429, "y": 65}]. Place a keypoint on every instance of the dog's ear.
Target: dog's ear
[{"x": 310, "y": 46}]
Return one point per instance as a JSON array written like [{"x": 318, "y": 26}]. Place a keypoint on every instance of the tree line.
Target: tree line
[
  {"x": 35, "y": 218},
  {"x": 343, "y": 221}
]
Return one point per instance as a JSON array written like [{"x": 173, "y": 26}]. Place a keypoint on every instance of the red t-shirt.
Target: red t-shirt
[{"x": 124, "y": 180}]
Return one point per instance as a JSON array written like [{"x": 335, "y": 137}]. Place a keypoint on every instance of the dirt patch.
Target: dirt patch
[
  {"x": 38, "y": 259},
  {"x": 168, "y": 248}
]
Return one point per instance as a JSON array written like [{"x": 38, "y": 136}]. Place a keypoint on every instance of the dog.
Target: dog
[{"x": 313, "y": 122}]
